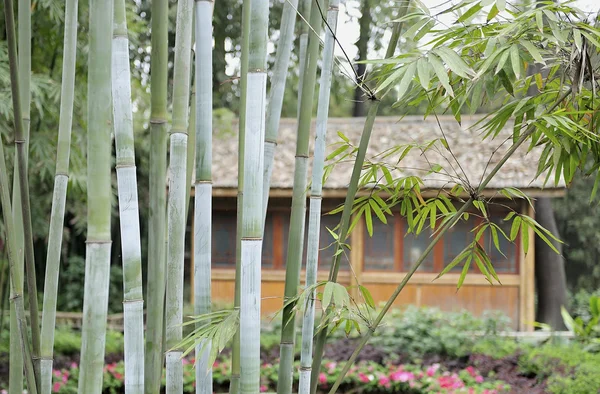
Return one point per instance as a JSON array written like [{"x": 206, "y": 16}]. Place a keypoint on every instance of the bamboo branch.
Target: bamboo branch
[{"x": 440, "y": 233}]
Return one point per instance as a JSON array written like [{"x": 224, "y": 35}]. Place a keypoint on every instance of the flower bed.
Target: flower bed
[{"x": 366, "y": 377}]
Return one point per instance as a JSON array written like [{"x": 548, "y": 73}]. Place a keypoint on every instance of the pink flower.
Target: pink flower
[
  {"x": 402, "y": 376},
  {"x": 471, "y": 371},
  {"x": 384, "y": 381},
  {"x": 56, "y": 387},
  {"x": 57, "y": 373},
  {"x": 118, "y": 376},
  {"x": 263, "y": 388},
  {"x": 322, "y": 378},
  {"x": 73, "y": 365},
  {"x": 479, "y": 379},
  {"x": 432, "y": 369},
  {"x": 363, "y": 378}
]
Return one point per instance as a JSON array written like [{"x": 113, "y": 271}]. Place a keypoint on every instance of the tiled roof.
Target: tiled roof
[{"x": 473, "y": 154}]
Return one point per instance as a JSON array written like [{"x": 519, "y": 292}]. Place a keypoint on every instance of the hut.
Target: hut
[{"x": 381, "y": 261}]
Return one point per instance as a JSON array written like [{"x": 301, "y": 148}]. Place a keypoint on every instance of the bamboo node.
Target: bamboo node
[
  {"x": 19, "y": 141},
  {"x": 14, "y": 297},
  {"x": 158, "y": 121},
  {"x": 61, "y": 173},
  {"x": 98, "y": 241},
  {"x": 203, "y": 182}
]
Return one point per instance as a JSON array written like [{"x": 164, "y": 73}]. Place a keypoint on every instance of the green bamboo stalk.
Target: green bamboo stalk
[
  {"x": 191, "y": 143},
  {"x": 99, "y": 191},
  {"x": 439, "y": 235},
  {"x": 297, "y": 220},
  {"x": 129, "y": 216},
  {"x": 17, "y": 288},
  {"x": 234, "y": 387},
  {"x": 61, "y": 179},
  {"x": 251, "y": 240},
  {"x": 157, "y": 216},
  {"x": 314, "y": 226},
  {"x": 21, "y": 355},
  {"x": 278, "y": 80},
  {"x": 177, "y": 191},
  {"x": 22, "y": 152},
  {"x": 305, "y": 6},
  {"x": 347, "y": 211},
  {"x": 203, "y": 186}
]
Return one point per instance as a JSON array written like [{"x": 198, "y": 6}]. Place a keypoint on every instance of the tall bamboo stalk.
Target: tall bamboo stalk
[
  {"x": 278, "y": 80},
  {"x": 22, "y": 151},
  {"x": 297, "y": 220},
  {"x": 61, "y": 179},
  {"x": 234, "y": 387},
  {"x": 98, "y": 246},
  {"x": 352, "y": 190},
  {"x": 157, "y": 216},
  {"x": 251, "y": 241},
  {"x": 203, "y": 184},
  {"x": 305, "y": 6},
  {"x": 129, "y": 216},
  {"x": 177, "y": 192},
  {"x": 314, "y": 224},
  {"x": 18, "y": 322}
]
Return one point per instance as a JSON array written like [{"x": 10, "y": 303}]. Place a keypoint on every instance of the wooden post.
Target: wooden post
[
  {"x": 527, "y": 278},
  {"x": 357, "y": 257}
]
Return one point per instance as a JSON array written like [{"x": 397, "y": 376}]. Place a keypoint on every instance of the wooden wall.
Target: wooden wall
[{"x": 514, "y": 297}]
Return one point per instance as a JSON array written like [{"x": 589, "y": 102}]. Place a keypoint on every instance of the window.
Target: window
[
  {"x": 380, "y": 253},
  {"x": 505, "y": 262},
  {"x": 414, "y": 246},
  {"x": 223, "y": 239},
  {"x": 456, "y": 240},
  {"x": 391, "y": 249}
]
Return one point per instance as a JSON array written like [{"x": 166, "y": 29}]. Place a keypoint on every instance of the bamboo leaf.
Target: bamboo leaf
[
  {"x": 514, "y": 230},
  {"x": 440, "y": 72},
  {"x": 424, "y": 72},
  {"x": 327, "y": 295},
  {"x": 455, "y": 62},
  {"x": 378, "y": 211},
  {"x": 525, "y": 239},
  {"x": 338, "y": 151},
  {"x": 470, "y": 13},
  {"x": 464, "y": 272},
  {"x": 367, "y": 296},
  {"x": 515, "y": 59},
  {"x": 406, "y": 80}
]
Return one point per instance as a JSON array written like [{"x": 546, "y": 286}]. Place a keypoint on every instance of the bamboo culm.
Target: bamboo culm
[
  {"x": 439, "y": 235},
  {"x": 20, "y": 341},
  {"x": 298, "y": 215},
  {"x": 251, "y": 233},
  {"x": 59, "y": 196},
  {"x": 347, "y": 211},
  {"x": 203, "y": 185},
  {"x": 234, "y": 387},
  {"x": 305, "y": 6},
  {"x": 157, "y": 215},
  {"x": 99, "y": 190},
  {"x": 275, "y": 102},
  {"x": 314, "y": 225},
  {"x": 129, "y": 216},
  {"x": 177, "y": 193}
]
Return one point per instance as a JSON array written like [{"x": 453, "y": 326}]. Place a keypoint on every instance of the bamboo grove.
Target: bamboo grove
[{"x": 483, "y": 59}]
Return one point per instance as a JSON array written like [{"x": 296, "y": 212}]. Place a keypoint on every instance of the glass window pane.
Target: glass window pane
[
  {"x": 505, "y": 262},
  {"x": 267, "y": 248},
  {"x": 223, "y": 239},
  {"x": 414, "y": 246},
  {"x": 326, "y": 246},
  {"x": 456, "y": 240},
  {"x": 379, "y": 249}
]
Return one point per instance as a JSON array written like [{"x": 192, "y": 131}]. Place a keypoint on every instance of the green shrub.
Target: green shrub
[
  {"x": 416, "y": 332},
  {"x": 569, "y": 369},
  {"x": 67, "y": 341},
  {"x": 496, "y": 347}
]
